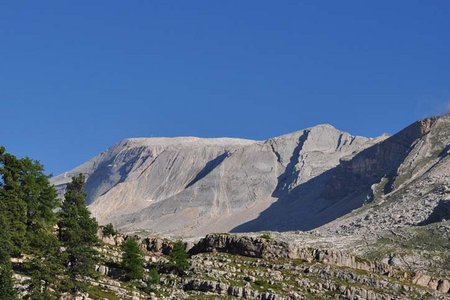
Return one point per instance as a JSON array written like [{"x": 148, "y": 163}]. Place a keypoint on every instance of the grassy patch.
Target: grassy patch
[
  {"x": 266, "y": 236},
  {"x": 97, "y": 293}
]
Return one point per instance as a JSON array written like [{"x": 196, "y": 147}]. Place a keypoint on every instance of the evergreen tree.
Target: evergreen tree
[
  {"x": 178, "y": 257},
  {"x": 132, "y": 260},
  {"x": 40, "y": 197},
  {"x": 7, "y": 291},
  {"x": 108, "y": 230},
  {"x": 27, "y": 204},
  {"x": 45, "y": 268},
  {"x": 152, "y": 279},
  {"x": 12, "y": 206},
  {"x": 78, "y": 234}
]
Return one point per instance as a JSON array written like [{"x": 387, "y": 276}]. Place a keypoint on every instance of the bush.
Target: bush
[
  {"x": 108, "y": 230},
  {"x": 152, "y": 280},
  {"x": 267, "y": 236}
]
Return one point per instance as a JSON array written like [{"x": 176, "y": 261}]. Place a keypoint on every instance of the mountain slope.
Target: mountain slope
[
  {"x": 414, "y": 190},
  {"x": 192, "y": 186}
]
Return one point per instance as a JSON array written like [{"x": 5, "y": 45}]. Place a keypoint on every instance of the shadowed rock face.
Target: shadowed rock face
[
  {"x": 299, "y": 181},
  {"x": 381, "y": 160},
  {"x": 440, "y": 213}
]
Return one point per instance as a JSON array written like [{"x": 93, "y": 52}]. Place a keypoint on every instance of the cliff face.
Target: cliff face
[
  {"x": 382, "y": 160},
  {"x": 410, "y": 190}
]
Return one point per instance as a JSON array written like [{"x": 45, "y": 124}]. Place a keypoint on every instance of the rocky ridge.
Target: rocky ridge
[{"x": 225, "y": 266}]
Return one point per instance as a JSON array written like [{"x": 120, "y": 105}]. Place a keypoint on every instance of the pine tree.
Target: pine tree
[
  {"x": 152, "y": 279},
  {"x": 27, "y": 205},
  {"x": 78, "y": 234},
  {"x": 132, "y": 260},
  {"x": 12, "y": 206},
  {"x": 178, "y": 257},
  {"x": 7, "y": 291},
  {"x": 40, "y": 197},
  {"x": 45, "y": 268},
  {"x": 108, "y": 230}
]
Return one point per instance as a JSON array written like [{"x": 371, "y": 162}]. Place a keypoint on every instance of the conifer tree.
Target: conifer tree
[
  {"x": 45, "y": 268},
  {"x": 7, "y": 291},
  {"x": 12, "y": 206},
  {"x": 40, "y": 197},
  {"x": 78, "y": 234},
  {"x": 132, "y": 260},
  {"x": 178, "y": 257},
  {"x": 28, "y": 202},
  {"x": 108, "y": 230}
]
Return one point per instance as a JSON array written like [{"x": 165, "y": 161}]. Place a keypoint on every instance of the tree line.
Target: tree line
[{"x": 56, "y": 241}]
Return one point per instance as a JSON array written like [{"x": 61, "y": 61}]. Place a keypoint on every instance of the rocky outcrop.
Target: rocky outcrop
[
  {"x": 258, "y": 247},
  {"x": 441, "y": 285},
  {"x": 148, "y": 244},
  {"x": 251, "y": 278},
  {"x": 220, "y": 288}
]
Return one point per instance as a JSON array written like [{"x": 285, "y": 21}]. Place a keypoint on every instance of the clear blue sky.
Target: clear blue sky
[{"x": 78, "y": 76}]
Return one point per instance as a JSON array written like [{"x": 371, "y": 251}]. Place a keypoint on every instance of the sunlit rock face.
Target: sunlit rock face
[{"x": 192, "y": 186}]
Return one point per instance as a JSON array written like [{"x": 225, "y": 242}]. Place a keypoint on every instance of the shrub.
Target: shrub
[
  {"x": 267, "y": 236},
  {"x": 108, "y": 230}
]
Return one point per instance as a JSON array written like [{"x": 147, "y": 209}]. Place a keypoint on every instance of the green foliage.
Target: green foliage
[
  {"x": 178, "y": 257},
  {"x": 45, "y": 267},
  {"x": 153, "y": 276},
  {"x": 152, "y": 279},
  {"x": 262, "y": 284},
  {"x": 40, "y": 198},
  {"x": 108, "y": 230},
  {"x": 12, "y": 206},
  {"x": 267, "y": 236},
  {"x": 7, "y": 291},
  {"x": 27, "y": 205},
  {"x": 78, "y": 234},
  {"x": 132, "y": 260},
  {"x": 98, "y": 293}
]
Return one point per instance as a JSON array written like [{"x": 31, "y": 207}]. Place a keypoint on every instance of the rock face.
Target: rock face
[
  {"x": 411, "y": 189},
  {"x": 262, "y": 248},
  {"x": 273, "y": 249},
  {"x": 192, "y": 186},
  {"x": 299, "y": 181}
]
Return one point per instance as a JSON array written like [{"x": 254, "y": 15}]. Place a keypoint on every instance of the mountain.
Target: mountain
[
  {"x": 299, "y": 181},
  {"x": 193, "y": 186}
]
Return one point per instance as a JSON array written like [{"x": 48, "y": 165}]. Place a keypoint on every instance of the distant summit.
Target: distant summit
[{"x": 299, "y": 181}]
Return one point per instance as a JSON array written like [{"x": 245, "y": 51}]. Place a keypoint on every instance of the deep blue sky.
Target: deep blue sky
[{"x": 78, "y": 76}]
